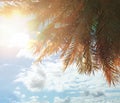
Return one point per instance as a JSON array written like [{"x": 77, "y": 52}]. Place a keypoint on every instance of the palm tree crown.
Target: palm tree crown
[{"x": 85, "y": 32}]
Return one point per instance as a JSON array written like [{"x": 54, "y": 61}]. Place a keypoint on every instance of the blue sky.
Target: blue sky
[{"x": 22, "y": 81}]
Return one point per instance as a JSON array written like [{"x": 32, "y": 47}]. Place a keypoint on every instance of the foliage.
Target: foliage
[{"x": 85, "y": 32}]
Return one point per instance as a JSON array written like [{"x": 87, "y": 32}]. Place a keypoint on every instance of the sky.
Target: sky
[{"x": 23, "y": 81}]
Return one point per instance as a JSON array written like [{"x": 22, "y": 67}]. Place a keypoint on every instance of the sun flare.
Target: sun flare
[{"x": 14, "y": 30}]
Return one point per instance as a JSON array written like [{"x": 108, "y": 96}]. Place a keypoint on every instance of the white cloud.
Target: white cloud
[
  {"x": 27, "y": 53},
  {"x": 45, "y": 96},
  {"x": 59, "y": 100},
  {"x": 34, "y": 79},
  {"x": 80, "y": 88},
  {"x": 85, "y": 99},
  {"x": 32, "y": 99},
  {"x": 35, "y": 99},
  {"x": 18, "y": 93},
  {"x": 49, "y": 76}
]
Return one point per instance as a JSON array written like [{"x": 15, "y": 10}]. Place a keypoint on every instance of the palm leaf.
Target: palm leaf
[{"x": 88, "y": 33}]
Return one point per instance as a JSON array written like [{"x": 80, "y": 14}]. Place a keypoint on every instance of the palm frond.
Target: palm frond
[{"x": 86, "y": 32}]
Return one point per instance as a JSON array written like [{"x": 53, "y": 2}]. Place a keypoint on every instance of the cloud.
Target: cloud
[
  {"x": 85, "y": 99},
  {"x": 95, "y": 93},
  {"x": 35, "y": 99},
  {"x": 26, "y": 53},
  {"x": 18, "y": 93},
  {"x": 98, "y": 94},
  {"x": 32, "y": 99},
  {"x": 34, "y": 78},
  {"x": 44, "y": 96},
  {"x": 85, "y": 89},
  {"x": 59, "y": 100},
  {"x": 48, "y": 75}
]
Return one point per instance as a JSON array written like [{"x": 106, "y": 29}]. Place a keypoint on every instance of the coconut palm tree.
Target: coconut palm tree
[{"x": 84, "y": 32}]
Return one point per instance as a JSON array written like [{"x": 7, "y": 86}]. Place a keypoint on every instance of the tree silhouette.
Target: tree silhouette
[{"x": 85, "y": 32}]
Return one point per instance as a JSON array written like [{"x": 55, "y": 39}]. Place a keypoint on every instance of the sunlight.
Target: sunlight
[
  {"x": 19, "y": 40},
  {"x": 14, "y": 30}
]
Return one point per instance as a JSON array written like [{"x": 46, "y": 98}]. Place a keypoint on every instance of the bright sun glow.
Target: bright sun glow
[{"x": 13, "y": 30}]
